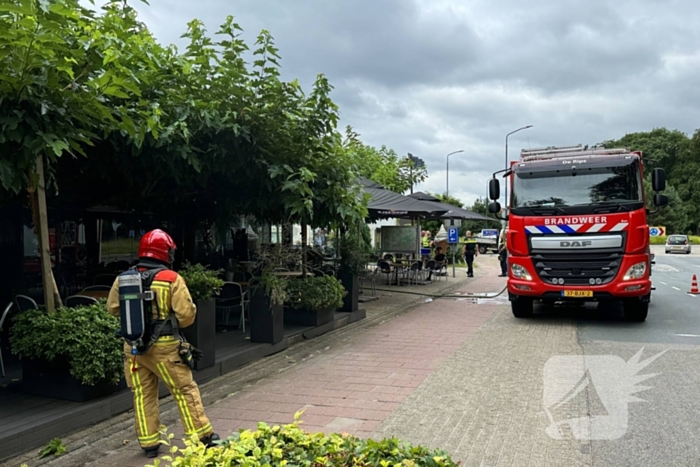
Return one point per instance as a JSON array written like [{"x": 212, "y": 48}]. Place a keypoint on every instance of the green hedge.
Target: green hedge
[
  {"x": 694, "y": 240},
  {"x": 291, "y": 446}
]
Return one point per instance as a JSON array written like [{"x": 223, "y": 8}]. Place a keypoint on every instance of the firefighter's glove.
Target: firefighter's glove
[
  {"x": 186, "y": 355},
  {"x": 197, "y": 354}
]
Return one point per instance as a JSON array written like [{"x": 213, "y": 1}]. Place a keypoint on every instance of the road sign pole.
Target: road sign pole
[{"x": 453, "y": 262}]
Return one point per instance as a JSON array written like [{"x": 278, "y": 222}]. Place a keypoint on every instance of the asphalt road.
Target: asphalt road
[{"x": 665, "y": 428}]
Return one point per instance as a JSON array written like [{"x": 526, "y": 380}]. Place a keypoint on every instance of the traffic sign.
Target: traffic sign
[
  {"x": 452, "y": 235},
  {"x": 657, "y": 231}
]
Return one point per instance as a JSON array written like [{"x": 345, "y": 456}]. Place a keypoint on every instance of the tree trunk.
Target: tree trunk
[
  {"x": 37, "y": 199},
  {"x": 287, "y": 234},
  {"x": 303, "y": 250}
]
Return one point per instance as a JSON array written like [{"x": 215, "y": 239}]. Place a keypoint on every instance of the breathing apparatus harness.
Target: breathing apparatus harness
[{"x": 138, "y": 327}]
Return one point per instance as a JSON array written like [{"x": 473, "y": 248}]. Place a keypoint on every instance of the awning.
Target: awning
[
  {"x": 452, "y": 212},
  {"x": 388, "y": 204}
]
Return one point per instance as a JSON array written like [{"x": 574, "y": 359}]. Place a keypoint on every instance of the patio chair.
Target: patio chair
[
  {"x": 97, "y": 287},
  {"x": 230, "y": 298},
  {"x": 2, "y": 321},
  {"x": 438, "y": 268},
  {"x": 25, "y": 303},
  {"x": 371, "y": 276},
  {"x": 384, "y": 268},
  {"x": 413, "y": 272},
  {"x": 318, "y": 273},
  {"x": 80, "y": 300}
]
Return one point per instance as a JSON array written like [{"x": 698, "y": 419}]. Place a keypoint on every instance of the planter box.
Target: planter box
[
  {"x": 266, "y": 320},
  {"x": 302, "y": 317},
  {"x": 351, "y": 283},
  {"x": 53, "y": 379},
  {"x": 202, "y": 333}
]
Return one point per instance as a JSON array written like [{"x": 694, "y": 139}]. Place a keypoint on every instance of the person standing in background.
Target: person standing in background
[
  {"x": 503, "y": 257},
  {"x": 470, "y": 252}
]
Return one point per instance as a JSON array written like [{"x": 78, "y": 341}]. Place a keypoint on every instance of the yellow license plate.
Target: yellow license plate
[
  {"x": 577, "y": 293},
  {"x": 676, "y": 248}
]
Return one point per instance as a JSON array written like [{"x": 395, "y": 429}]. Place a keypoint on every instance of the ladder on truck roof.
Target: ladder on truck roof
[{"x": 554, "y": 152}]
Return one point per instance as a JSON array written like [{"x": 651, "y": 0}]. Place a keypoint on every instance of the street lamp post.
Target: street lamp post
[
  {"x": 505, "y": 204},
  {"x": 447, "y": 194},
  {"x": 447, "y": 173}
]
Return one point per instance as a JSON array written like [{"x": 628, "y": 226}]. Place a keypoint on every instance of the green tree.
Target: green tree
[
  {"x": 67, "y": 79},
  {"x": 434, "y": 225},
  {"x": 480, "y": 206},
  {"x": 383, "y": 165},
  {"x": 673, "y": 216},
  {"x": 680, "y": 157}
]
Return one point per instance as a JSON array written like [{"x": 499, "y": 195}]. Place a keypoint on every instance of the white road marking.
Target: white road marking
[
  {"x": 688, "y": 335},
  {"x": 676, "y": 288},
  {"x": 664, "y": 268},
  {"x": 663, "y": 283}
]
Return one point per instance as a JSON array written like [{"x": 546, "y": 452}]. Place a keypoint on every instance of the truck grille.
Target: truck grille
[{"x": 577, "y": 269}]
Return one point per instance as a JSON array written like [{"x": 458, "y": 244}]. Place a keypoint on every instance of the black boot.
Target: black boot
[
  {"x": 208, "y": 441},
  {"x": 152, "y": 451}
]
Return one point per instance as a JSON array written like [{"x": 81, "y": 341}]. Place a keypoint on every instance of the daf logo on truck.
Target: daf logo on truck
[{"x": 575, "y": 244}]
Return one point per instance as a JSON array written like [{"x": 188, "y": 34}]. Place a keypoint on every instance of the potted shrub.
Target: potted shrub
[
  {"x": 313, "y": 300},
  {"x": 267, "y": 309},
  {"x": 355, "y": 250},
  {"x": 73, "y": 354},
  {"x": 203, "y": 284}
]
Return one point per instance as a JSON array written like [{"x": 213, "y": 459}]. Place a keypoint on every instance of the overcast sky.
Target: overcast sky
[{"x": 434, "y": 76}]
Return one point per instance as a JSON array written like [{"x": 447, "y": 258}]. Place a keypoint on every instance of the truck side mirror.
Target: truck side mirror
[
  {"x": 658, "y": 179},
  {"x": 495, "y": 207},
  {"x": 660, "y": 200},
  {"x": 494, "y": 189}
]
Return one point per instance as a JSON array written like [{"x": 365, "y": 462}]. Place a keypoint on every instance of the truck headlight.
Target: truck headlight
[
  {"x": 636, "y": 271},
  {"x": 520, "y": 272}
]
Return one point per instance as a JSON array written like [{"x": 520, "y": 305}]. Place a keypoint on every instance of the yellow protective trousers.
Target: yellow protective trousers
[{"x": 162, "y": 362}]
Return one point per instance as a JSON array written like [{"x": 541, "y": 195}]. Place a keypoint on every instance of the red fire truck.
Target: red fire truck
[{"x": 577, "y": 227}]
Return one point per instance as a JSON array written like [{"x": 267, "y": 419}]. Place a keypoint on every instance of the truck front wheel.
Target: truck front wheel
[
  {"x": 522, "y": 307},
  {"x": 635, "y": 310},
  {"x": 482, "y": 249}
]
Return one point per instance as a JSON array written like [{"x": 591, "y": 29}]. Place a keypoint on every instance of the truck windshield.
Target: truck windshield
[{"x": 581, "y": 187}]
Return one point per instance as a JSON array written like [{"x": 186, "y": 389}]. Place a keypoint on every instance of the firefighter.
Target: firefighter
[
  {"x": 470, "y": 252},
  {"x": 162, "y": 361}
]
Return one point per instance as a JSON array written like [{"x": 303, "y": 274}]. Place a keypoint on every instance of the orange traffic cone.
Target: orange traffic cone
[{"x": 694, "y": 286}]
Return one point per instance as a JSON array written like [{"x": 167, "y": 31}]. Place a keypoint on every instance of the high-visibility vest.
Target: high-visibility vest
[
  {"x": 470, "y": 241},
  {"x": 426, "y": 242}
]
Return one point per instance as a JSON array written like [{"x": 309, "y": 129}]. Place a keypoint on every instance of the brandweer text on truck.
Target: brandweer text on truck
[{"x": 577, "y": 227}]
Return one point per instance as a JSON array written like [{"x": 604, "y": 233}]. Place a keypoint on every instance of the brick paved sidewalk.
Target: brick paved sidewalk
[
  {"x": 355, "y": 386},
  {"x": 349, "y": 380}
]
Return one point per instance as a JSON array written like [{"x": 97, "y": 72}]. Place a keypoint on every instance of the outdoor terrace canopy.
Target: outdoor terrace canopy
[
  {"x": 386, "y": 204},
  {"x": 452, "y": 212}
]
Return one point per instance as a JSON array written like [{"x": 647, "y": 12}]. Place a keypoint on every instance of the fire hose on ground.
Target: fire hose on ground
[{"x": 447, "y": 295}]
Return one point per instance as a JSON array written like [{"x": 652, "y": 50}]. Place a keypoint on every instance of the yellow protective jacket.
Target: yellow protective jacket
[{"x": 171, "y": 294}]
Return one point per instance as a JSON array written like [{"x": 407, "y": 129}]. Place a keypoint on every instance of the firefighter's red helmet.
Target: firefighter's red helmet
[{"x": 158, "y": 245}]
